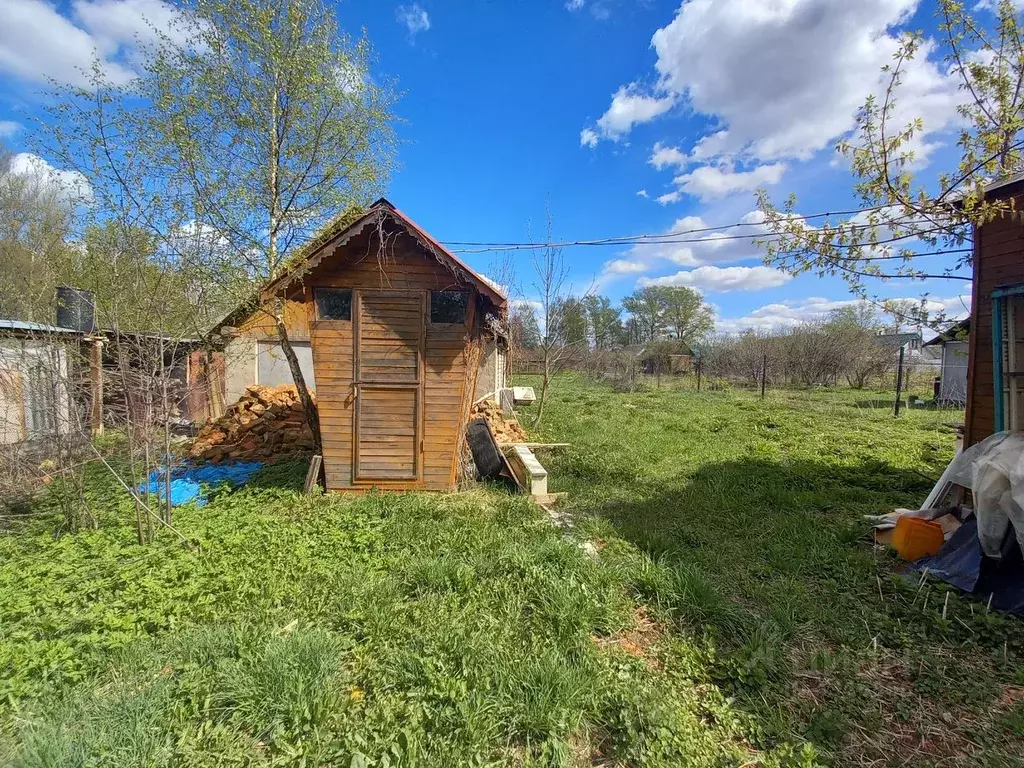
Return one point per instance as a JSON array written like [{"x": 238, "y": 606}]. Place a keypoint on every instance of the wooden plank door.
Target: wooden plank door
[{"x": 389, "y": 384}]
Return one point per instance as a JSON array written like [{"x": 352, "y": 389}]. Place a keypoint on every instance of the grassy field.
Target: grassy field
[
  {"x": 735, "y": 612},
  {"x": 750, "y": 514}
]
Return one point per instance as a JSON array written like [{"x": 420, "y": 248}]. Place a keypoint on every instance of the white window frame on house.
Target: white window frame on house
[{"x": 1008, "y": 357}]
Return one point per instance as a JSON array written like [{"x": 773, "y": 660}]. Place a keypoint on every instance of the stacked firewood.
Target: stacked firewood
[
  {"x": 504, "y": 430},
  {"x": 266, "y": 424}
]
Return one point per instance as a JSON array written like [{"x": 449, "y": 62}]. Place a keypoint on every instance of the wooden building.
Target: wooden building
[
  {"x": 397, "y": 330},
  {"x": 995, "y": 379}
]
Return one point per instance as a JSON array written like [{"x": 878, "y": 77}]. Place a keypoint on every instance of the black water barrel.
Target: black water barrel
[{"x": 76, "y": 309}]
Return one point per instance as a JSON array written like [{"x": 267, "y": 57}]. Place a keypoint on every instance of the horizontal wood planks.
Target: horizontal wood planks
[
  {"x": 388, "y": 433},
  {"x": 999, "y": 261},
  {"x": 391, "y": 324},
  {"x": 333, "y": 368},
  {"x": 261, "y": 325}
]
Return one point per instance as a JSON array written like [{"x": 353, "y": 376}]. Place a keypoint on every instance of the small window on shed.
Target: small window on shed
[
  {"x": 333, "y": 303},
  {"x": 448, "y": 306}
]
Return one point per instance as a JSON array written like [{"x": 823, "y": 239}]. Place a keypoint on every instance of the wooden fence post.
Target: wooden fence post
[
  {"x": 764, "y": 373},
  {"x": 96, "y": 382},
  {"x": 899, "y": 385}
]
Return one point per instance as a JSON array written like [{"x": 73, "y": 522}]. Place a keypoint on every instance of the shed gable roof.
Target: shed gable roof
[{"x": 327, "y": 242}]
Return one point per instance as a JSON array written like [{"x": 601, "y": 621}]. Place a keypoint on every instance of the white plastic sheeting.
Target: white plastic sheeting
[{"x": 994, "y": 471}]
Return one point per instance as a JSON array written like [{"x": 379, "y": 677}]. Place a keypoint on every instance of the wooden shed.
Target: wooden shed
[
  {"x": 995, "y": 368},
  {"x": 397, "y": 329}
]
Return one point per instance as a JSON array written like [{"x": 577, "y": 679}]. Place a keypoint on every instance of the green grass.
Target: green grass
[
  {"x": 735, "y": 615},
  {"x": 750, "y": 515}
]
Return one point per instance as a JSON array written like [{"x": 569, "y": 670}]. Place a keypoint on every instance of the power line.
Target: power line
[
  {"x": 669, "y": 238},
  {"x": 723, "y": 238}
]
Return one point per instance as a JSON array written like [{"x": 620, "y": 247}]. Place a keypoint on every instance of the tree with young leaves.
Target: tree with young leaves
[
  {"x": 853, "y": 332},
  {"x": 570, "y": 323},
  {"x": 685, "y": 313},
  {"x": 36, "y": 223},
  {"x": 678, "y": 311},
  {"x": 604, "y": 321},
  {"x": 524, "y": 331},
  {"x": 646, "y": 311},
  {"x": 906, "y": 215},
  {"x": 252, "y": 124}
]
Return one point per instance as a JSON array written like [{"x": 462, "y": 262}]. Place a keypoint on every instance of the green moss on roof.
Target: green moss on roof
[{"x": 339, "y": 223}]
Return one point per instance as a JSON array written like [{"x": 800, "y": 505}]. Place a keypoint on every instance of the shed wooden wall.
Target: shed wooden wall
[
  {"x": 260, "y": 324},
  {"x": 449, "y": 365},
  {"x": 998, "y": 260}
]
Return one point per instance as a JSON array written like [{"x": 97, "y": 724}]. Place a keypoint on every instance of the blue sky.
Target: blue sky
[{"x": 620, "y": 117}]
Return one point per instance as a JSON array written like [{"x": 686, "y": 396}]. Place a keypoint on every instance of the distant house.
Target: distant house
[
  {"x": 916, "y": 354},
  {"x": 995, "y": 377},
  {"x": 35, "y": 372},
  {"x": 56, "y": 379},
  {"x": 671, "y": 357},
  {"x": 953, "y": 376}
]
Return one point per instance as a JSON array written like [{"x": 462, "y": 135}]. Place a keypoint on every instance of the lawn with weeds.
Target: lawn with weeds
[
  {"x": 375, "y": 630},
  {"x": 728, "y": 610},
  {"x": 739, "y": 520}
]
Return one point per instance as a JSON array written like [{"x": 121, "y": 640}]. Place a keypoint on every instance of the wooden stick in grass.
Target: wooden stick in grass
[{"x": 945, "y": 605}]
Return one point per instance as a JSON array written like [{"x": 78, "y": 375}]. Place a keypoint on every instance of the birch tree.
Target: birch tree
[
  {"x": 909, "y": 213},
  {"x": 252, "y": 125},
  {"x": 550, "y": 275}
]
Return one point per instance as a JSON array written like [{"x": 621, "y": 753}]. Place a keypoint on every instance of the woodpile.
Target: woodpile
[
  {"x": 504, "y": 430},
  {"x": 266, "y": 424}
]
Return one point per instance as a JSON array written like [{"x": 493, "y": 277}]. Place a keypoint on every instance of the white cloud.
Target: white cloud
[
  {"x": 993, "y": 5},
  {"x": 710, "y": 146},
  {"x": 954, "y": 307},
  {"x": 598, "y": 8},
  {"x": 588, "y": 138},
  {"x": 642, "y": 193},
  {"x": 723, "y": 279},
  {"x": 786, "y": 314},
  {"x": 709, "y": 181},
  {"x": 629, "y": 106},
  {"x": 70, "y": 186},
  {"x": 786, "y": 78},
  {"x": 8, "y": 128},
  {"x": 701, "y": 248},
  {"x": 114, "y": 24},
  {"x": 669, "y": 197},
  {"x": 414, "y": 18},
  {"x": 662, "y": 156},
  {"x": 783, "y": 80},
  {"x": 625, "y": 267},
  {"x": 39, "y": 44}
]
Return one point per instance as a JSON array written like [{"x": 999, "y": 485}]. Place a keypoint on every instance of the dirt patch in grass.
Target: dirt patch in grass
[
  {"x": 913, "y": 728},
  {"x": 640, "y": 639}
]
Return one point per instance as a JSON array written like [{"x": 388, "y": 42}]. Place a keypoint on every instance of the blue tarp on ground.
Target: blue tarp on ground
[
  {"x": 961, "y": 563},
  {"x": 187, "y": 480}
]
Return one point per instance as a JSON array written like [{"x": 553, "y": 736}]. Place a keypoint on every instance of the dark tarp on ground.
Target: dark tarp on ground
[{"x": 961, "y": 563}]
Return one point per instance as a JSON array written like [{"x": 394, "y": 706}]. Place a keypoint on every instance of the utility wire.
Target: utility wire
[
  {"x": 669, "y": 237},
  {"x": 646, "y": 239}
]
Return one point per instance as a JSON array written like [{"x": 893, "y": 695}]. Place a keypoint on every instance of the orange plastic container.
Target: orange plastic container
[{"x": 914, "y": 538}]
